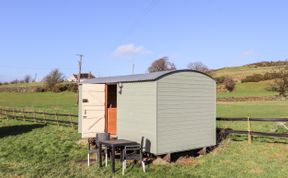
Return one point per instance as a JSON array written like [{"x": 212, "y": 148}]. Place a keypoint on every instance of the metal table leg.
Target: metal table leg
[
  {"x": 100, "y": 157},
  {"x": 113, "y": 158}
]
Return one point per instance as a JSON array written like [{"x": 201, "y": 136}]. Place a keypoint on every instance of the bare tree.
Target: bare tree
[
  {"x": 27, "y": 78},
  {"x": 54, "y": 77},
  {"x": 161, "y": 64},
  {"x": 281, "y": 84},
  {"x": 198, "y": 66}
]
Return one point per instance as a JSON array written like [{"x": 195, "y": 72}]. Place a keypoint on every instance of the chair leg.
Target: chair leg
[
  {"x": 106, "y": 159},
  {"x": 143, "y": 166},
  {"x": 88, "y": 159},
  {"x": 123, "y": 167}
]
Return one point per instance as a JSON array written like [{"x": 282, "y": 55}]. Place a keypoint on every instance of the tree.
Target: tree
[
  {"x": 27, "y": 78},
  {"x": 198, "y": 66},
  {"x": 281, "y": 84},
  {"x": 54, "y": 77},
  {"x": 161, "y": 64},
  {"x": 229, "y": 84}
]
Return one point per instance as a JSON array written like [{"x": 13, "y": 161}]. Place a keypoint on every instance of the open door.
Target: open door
[
  {"x": 111, "y": 120},
  {"x": 92, "y": 108}
]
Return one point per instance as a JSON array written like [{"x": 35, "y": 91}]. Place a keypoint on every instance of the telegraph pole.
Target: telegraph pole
[
  {"x": 80, "y": 67},
  {"x": 79, "y": 74}
]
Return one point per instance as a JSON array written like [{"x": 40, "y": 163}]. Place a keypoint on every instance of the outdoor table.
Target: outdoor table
[{"x": 120, "y": 143}]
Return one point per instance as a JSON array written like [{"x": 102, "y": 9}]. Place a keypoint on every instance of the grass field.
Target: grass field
[
  {"x": 249, "y": 89},
  {"x": 63, "y": 102},
  {"x": 35, "y": 150},
  {"x": 240, "y": 72},
  {"x": 23, "y": 84}
]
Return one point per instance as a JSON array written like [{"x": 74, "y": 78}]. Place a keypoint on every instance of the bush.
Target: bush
[
  {"x": 253, "y": 78},
  {"x": 220, "y": 80},
  {"x": 260, "y": 77},
  {"x": 61, "y": 87},
  {"x": 40, "y": 89},
  {"x": 229, "y": 84}
]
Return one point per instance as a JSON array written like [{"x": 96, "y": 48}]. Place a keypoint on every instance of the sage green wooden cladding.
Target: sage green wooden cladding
[
  {"x": 136, "y": 112},
  {"x": 186, "y": 112},
  {"x": 174, "y": 113}
]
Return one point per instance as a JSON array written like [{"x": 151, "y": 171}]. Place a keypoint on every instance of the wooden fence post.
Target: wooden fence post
[
  {"x": 13, "y": 113},
  {"x": 6, "y": 114},
  {"x": 23, "y": 114},
  {"x": 71, "y": 119},
  {"x": 1, "y": 113},
  {"x": 56, "y": 118},
  {"x": 43, "y": 115},
  {"x": 249, "y": 130}
]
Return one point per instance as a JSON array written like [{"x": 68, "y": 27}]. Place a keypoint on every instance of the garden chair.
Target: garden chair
[
  {"x": 134, "y": 153},
  {"x": 99, "y": 137}
]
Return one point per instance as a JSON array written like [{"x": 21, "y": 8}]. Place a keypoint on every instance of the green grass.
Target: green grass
[
  {"x": 249, "y": 89},
  {"x": 271, "y": 109},
  {"x": 61, "y": 102},
  {"x": 51, "y": 151},
  {"x": 33, "y": 150}
]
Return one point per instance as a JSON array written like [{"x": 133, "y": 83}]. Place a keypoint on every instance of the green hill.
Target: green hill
[{"x": 240, "y": 72}]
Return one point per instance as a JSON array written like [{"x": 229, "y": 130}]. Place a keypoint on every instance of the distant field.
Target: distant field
[
  {"x": 46, "y": 101},
  {"x": 249, "y": 89},
  {"x": 241, "y": 72},
  {"x": 23, "y": 84},
  {"x": 267, "y": 109}
]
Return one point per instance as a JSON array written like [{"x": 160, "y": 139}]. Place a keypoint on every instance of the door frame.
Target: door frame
[{"x": 106, "y": 107}]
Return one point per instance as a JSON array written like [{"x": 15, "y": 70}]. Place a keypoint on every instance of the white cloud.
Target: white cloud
[
  {"x": 129, "y": 50},
  {"x": 248, "y": 53}
]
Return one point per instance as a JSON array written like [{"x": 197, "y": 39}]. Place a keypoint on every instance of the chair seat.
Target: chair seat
[{"x": 133, "y": 157}]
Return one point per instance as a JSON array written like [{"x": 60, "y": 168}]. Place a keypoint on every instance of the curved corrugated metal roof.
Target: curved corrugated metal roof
[{"x": 137, "y": 77}]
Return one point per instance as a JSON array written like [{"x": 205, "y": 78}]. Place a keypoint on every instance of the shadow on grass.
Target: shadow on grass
[{"x": 18, "y": 129}]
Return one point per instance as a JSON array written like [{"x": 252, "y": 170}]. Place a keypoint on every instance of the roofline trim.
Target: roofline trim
[
  {"x": 182, "y": 70},
  {"x": 157, "y": 78}
]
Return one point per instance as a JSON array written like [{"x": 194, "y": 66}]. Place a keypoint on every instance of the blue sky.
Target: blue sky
[{"x": 38, "y": 36}]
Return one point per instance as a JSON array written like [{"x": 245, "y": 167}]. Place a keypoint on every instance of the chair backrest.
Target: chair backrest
[
  {"x": 132, "y": 152},
  {"x": 101, "y": 137},
  {"x": 142, "y": 143}
]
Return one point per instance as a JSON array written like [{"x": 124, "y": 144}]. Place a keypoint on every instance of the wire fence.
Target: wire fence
[{"x": 39, "y": 116}]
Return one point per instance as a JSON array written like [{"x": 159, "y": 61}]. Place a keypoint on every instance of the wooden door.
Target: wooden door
[
  {"x": 92, "y": 108},
  {"x": 112, "y": 121}
]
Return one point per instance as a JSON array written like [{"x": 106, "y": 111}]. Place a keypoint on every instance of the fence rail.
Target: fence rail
[
  {"x": 36, "y": 116},
  {"x": 251, "y": 133},
  {"x": 53, "y": 118},
  {"x": 252, "y": 119}
]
